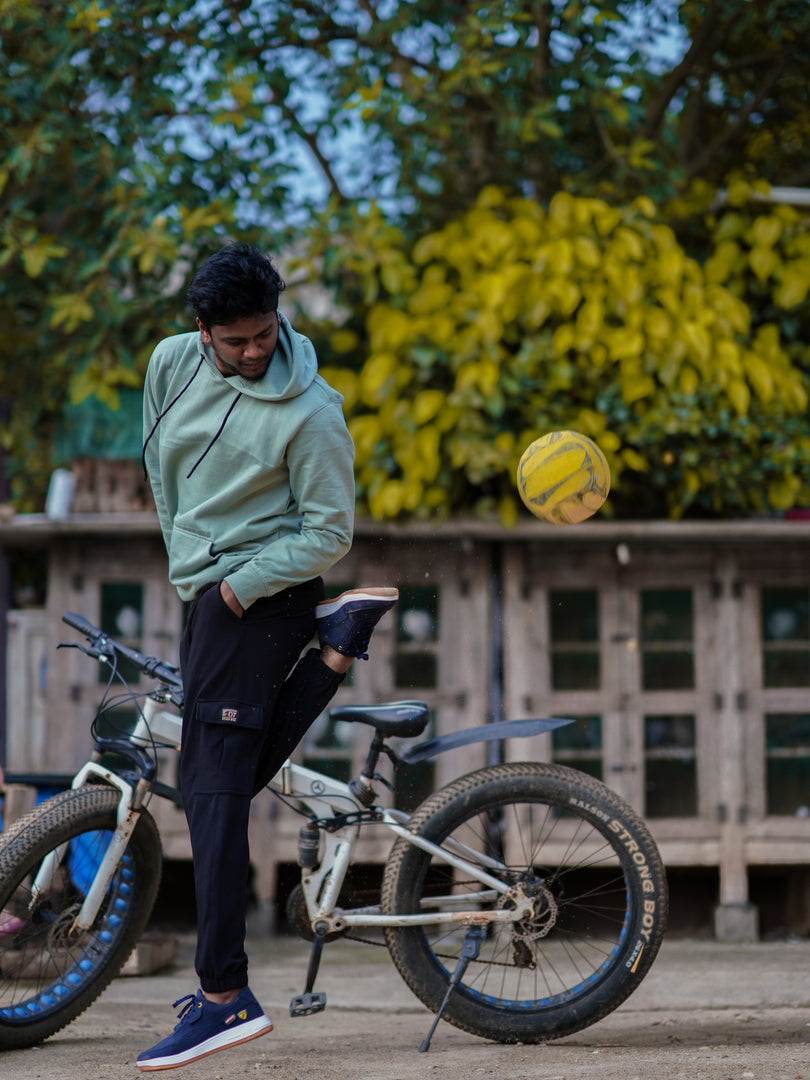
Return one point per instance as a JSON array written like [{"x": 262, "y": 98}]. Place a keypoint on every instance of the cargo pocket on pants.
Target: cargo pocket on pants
[{"x": 229, "y": 737}]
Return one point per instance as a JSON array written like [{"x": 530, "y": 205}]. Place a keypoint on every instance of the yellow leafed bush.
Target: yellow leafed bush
[{"x": 513, "y": 320}]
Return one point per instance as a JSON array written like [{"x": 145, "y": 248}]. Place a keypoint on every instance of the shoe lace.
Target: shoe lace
[{"x": 187, "y": 1001}]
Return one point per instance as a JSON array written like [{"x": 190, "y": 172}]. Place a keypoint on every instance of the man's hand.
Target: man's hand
[{"x": 229, "y": 596}]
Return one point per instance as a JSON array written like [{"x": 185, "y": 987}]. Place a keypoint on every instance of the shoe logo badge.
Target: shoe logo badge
[
  {"x": 242, "y": 1014},
  {"x": 230, "y": 715}
]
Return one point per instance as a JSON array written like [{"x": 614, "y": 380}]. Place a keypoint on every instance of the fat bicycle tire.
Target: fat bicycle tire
[
  {"x": 47, "y": 976},
  {"x": 600, "y": 895}
]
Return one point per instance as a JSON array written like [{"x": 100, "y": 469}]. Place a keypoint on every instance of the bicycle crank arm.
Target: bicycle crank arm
[{"x": 308, "y": 1003}]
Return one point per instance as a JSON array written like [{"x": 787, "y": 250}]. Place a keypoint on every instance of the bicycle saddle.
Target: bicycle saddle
[{"x": 403, "y": 718}]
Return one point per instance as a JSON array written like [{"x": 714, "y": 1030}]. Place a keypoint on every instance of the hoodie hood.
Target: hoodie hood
[{"x": 292, "y": 368}]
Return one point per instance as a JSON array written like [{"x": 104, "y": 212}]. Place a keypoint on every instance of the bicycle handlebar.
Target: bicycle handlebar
[{"x": 101, "y": 642}]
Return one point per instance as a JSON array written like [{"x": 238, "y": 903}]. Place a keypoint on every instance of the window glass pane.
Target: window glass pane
[
  {"x": 667, "y": 639},
  {"x": 666, "y": 615},
  {"x": 579, "y": 745},
  {"x": 574, "y": 628},
  {"x": 667, "y": 671},
  {"x": 574, "y": 671},
  {"x": 413, "y": 783},
  {"x": 787, "y": 752},
  {"x": 116, "y": 722},
  {"x": 28, "y": 569},
  {"x": 785, "y": 615},
  {"x": 327, "y": 747},
  {"x": 416, "y": 660},
  {"x": 786, "y": 637},
  {"x": 670, "y": 766},
  {"x": 122, "y": 618},
  {"x": 416, "y": 671},
  {"x": 574, "y": 615}
]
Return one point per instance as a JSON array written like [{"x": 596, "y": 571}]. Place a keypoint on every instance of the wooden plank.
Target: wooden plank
[
  {"x": 18, "y": 799},
  {"x": 26, "y": 702}
]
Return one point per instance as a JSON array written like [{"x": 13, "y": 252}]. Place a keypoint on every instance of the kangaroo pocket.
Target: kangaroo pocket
[
  {"x": 226, "y": 740},
  {"x": 189, "y": 554}
]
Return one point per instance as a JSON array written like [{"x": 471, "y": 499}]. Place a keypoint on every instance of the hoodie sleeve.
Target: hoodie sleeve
[{"x": 320, "y": 459}]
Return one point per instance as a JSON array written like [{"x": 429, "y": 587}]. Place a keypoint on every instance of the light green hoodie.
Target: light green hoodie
[{"x": 253, "y": 480}]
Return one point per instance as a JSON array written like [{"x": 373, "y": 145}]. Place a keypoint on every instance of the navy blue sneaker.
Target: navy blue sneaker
[
  {"x": 346, "y": 623},
  {"x": 205, "y": 1028}
]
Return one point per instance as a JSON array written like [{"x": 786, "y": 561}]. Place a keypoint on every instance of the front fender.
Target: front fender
[{"x": 501, "y": 729}]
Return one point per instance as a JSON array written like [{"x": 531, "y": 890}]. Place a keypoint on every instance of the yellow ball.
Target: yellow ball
[{"x": 563, "y": 477}]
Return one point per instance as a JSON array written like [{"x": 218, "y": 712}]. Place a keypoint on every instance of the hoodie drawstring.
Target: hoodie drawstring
[
  {"x": 173, "y": 402},
  {"x": 162, "y": 414},
  {"x": 219, "y": 432}
]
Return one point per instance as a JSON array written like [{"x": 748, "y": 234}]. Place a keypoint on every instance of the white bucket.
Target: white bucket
[{"x": 60, "y": 494}]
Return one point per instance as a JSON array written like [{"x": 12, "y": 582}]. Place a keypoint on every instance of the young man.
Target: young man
[{"x": 251, "y": 466}]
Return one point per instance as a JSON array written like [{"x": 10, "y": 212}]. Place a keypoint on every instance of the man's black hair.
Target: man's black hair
[{"x": 237, "y": 282}]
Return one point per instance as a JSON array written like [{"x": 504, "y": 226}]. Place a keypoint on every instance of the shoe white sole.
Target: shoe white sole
[
  {"x": 244, "y": 1033},
  {"x": 329, "y": 607}
]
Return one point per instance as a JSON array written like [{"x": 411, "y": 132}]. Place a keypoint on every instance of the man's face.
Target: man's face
[{"x": 244, "y": 347}]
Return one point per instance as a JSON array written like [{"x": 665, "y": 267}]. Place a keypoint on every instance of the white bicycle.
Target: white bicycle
[{"x": 521, "y": 902}]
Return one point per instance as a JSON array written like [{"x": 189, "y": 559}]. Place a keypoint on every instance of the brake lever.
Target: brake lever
[{"x": 94, "y": 651}]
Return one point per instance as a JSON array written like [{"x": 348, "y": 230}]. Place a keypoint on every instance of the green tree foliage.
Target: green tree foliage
[
  {"x": 740, "y": 94},
  {"x": 419, "y": 104},
  {"x": 135, "y": 135},
  {"x": 512, "y": 321},
  {"x": 105, "y": 196}
]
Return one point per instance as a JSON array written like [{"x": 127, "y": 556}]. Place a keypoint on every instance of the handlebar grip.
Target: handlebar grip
[{"x": 78, "y": 622}]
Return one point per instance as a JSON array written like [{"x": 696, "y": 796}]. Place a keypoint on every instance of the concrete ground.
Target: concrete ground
[{"x": 706, "y": 1011}]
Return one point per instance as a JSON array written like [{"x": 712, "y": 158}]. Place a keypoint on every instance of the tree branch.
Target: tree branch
[
  {"x": 700, "y": 50},
  {"x": 541, "y": 58},
  {"x": 310, "y": 140},
  {"x": 742, "y": 117},
  {"x": 369, "y": 9},
  {"x": 743, "y": 62}
]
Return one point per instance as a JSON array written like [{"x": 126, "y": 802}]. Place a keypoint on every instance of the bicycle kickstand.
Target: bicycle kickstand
[
  {"x": 307, "y": 1003},
  {"x": 470, "y": 948}
]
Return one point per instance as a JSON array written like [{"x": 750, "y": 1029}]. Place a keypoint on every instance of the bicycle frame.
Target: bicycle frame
[
  {"x": 325, "y": 799},
  {"x": 328, "y": 798}
]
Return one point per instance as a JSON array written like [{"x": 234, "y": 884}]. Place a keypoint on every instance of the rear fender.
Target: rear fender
[{"x": 501, "y": 729}]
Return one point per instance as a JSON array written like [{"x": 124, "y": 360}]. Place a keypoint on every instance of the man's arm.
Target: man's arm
[{"x": 320, "y": 460}]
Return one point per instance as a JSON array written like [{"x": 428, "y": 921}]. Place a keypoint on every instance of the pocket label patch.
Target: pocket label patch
[{"x": 230, "y": 713}]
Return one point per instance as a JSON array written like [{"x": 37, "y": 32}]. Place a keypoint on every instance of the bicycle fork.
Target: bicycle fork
[{"x": 129, "y": 808}]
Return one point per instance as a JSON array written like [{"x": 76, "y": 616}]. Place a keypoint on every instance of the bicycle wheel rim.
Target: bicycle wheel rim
[{"x": 583, "y": 925}]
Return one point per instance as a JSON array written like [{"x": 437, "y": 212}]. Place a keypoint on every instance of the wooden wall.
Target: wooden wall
[{"x": 485, "y": 583}]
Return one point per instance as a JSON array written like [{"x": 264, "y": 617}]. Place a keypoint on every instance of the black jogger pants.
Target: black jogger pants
[{"x": 247, "y": 706}]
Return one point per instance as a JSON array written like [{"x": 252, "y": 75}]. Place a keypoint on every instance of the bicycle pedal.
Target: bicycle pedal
[{"x": 307, "y": 1004}]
